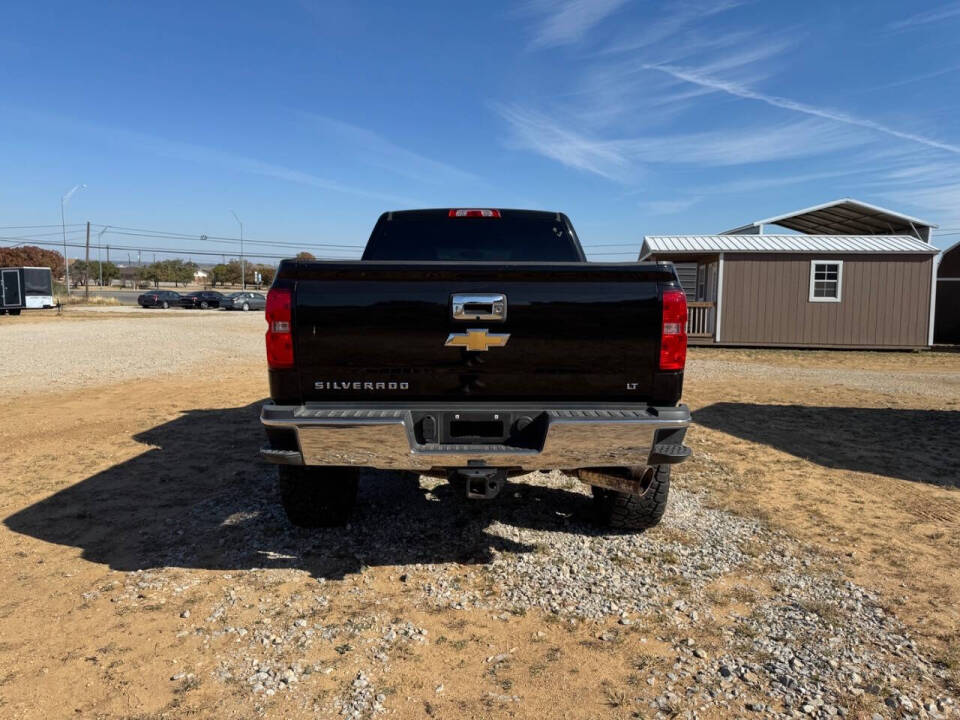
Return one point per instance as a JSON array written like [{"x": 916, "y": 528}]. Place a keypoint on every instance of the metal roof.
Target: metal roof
[
  {"x": 711, "y": 244},
  {"x": 844, "y": 217}
]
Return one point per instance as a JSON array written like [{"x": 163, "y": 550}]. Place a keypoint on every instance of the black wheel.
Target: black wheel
[
  {"x": 626, "y": 511},
  {"x": 246, "y": 306},
  {"x": 204, "y": 305},
  {"x": 317, "y": 496},
  {"x": 166, "y": 305},
  {"x": 14, "y": 312}
]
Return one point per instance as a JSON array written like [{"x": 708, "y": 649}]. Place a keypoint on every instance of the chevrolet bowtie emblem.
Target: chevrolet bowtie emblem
[{"x": 476, "y": 340}]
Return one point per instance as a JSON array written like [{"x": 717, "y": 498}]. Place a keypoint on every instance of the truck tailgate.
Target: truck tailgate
[{"x": 378, "y": 330}]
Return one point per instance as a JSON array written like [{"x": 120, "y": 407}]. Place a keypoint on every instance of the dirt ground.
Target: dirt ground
[{"x": 854, "y": 456}]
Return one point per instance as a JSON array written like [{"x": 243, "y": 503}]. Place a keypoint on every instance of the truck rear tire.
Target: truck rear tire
[
  {"x": 317, "y": 496},
  {"x": 626, "y": 511}
]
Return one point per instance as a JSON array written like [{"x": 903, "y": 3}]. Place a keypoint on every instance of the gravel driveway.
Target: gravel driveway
[
  {"x": 754, "y": 622},
  {"x": 93, "y": 344}
]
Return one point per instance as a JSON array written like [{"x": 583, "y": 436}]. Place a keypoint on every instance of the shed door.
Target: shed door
[{"x": 11, "y": 288}]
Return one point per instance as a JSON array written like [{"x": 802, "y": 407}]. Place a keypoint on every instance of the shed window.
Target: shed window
[{"x": 826, "y": 280}]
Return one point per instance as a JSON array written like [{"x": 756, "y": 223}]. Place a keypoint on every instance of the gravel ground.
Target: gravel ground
[
  {"x": 929, "y": 385},
  {"x": 59, "y": 354},
  {"x": 801, "y": 640}
]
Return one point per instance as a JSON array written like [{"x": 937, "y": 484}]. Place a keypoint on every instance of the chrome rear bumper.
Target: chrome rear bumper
[{"x": 383, "y": 437}]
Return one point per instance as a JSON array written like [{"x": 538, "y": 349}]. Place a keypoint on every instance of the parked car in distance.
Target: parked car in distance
[
  {"x": 159, "y": 298},
  {"x": 202, "y": 299},
  {"x": 245, "y": 301}
]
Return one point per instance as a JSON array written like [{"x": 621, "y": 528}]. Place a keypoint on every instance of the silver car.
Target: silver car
[{"x": 244, "y": 301}]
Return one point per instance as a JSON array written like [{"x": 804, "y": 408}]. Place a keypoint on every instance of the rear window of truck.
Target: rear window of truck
[{"x": 516, "y": 235}]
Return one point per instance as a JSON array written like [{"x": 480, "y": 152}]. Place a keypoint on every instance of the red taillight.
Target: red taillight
[
  {"x": 279, "y": 328},
  {"x": 473, "y": 212},
  {"x": 673, "y": 332}
]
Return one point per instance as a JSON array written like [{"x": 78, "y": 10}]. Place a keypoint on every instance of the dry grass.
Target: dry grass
[{"x": 81, "y": 300}]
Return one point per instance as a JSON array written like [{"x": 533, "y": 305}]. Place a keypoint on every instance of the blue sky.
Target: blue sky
[{"x": 308, "y": 119}]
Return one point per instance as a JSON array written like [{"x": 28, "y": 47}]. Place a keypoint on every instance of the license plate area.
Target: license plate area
[
  {"x": 487, "y": 430},
  {"x": 525, "y": 430},
  {"x": 481, "y": 428}
]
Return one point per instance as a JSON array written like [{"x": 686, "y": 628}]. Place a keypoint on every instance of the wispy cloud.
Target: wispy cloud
[
  {"x": 632, "y": 109},
  {"x": 755, "y": 184},
  {"x": 697, "y": 77},
  {"x": 534, "y": 131},
  {"x": 673, "y": 21},
  {"x": 626, "y": 158},
  {"x": 623, "y": 88},
  {"x": 562, "y": 22},
  {"x": 928, "y": 16},
  {"x": 668, "y": 207},
  {"x": 232, "y": 161},
  {"x": 743, "y": 145},
  {"x": 917, "y": 78},
  {"x": 204, "y": 155},
  {"x": 376, "y": 150},
  {"x": 940, "y": 202}
]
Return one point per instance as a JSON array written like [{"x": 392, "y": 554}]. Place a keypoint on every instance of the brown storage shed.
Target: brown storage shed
[
  {"x": 830, "y": 291},
  {"x": 853, "y": 275},
  {"x": 947, "y": 325}
]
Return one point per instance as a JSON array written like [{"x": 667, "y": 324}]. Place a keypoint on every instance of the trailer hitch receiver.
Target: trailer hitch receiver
[{"x": 482, "y": 483}]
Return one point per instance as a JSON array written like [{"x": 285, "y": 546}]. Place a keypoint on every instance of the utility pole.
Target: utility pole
[
  {"x": 86, "y": 277},
  {"x": 243, "y": 264}
]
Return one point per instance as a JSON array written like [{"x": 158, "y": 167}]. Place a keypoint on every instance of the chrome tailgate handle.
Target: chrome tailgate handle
[{"x": 483, "y": 306}]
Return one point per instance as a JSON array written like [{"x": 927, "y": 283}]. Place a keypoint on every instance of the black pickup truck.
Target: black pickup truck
[{"x": 475, "y": 344}]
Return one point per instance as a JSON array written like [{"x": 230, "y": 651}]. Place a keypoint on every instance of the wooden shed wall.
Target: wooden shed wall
[{"x": 885, "y": 301}]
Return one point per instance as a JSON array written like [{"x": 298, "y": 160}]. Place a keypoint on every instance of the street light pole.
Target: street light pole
[
  {"x": 243, "y": 262},
  {"x": 99, "y": 249},
  {"x": 63, "y": 224}
]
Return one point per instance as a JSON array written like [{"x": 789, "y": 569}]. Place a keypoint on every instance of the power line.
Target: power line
[
  {"x": 206, "y": 238},
  {"x": 27, "y": 238},
  {"x": 27, "y": 227},
  {"x": 122, "y": 230},
  {"x": 167, "y": 251}
]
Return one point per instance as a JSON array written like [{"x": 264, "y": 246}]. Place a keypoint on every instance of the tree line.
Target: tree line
[
  {"x": 231, "y": 273},
  {"x": 32, "y": 256}
]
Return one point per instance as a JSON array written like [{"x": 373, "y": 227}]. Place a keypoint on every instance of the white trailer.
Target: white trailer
[{"x": 25, "y": 288}]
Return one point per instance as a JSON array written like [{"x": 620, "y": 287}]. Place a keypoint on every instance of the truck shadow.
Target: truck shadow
[
  {"x": 199, "y": 497},
  {"x": 914, "y": 445}
]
